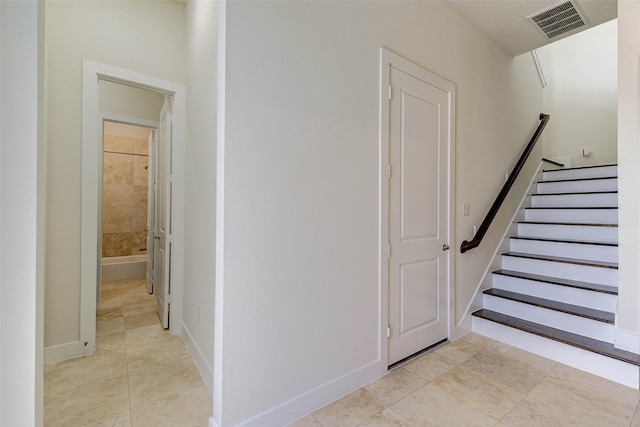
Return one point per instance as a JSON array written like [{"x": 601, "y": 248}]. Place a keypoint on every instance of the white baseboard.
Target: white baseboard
[
  {"x": 205, "y": 369},
  {"x": 304, "y": 404},
  {"x": 627, "y": 340},
  {"x": 65, "y": 351},
  {"x": 212, "y": 422}
]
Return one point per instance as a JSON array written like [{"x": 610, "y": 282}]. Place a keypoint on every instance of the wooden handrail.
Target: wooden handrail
[{"x": 484, "y": 227}]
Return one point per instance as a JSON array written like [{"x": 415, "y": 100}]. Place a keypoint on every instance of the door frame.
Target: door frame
[
  {"x": 107, "y": 116},
  {"x": 389, "y": 59},
  {"x": 92, "y": 74}
]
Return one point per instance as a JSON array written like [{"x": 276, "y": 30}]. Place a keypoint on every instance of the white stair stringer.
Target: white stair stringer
[{"x": 556, "y": 292}]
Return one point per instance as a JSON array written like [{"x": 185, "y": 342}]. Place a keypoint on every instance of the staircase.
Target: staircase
[{"x": 556, "y": 293}]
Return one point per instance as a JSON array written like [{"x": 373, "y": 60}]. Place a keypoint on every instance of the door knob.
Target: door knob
[{"x": 445, "y": 247}]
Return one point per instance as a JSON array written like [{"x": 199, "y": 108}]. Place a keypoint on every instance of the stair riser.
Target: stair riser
[
  {"x": 569, "y": 232},
  {"x": 555, "y": 319},
  {"x": 609, "y": 184},
  {"x": 606, "y": 367},
  {"x": 563, "y": 270},
  {"x": 565, "y": 294},
  {"x": 596, "y": 172},
  {"x": 561, "y": 249},
  {"x": 575, "y": 216},
  {"x": 574, "y": 200}
]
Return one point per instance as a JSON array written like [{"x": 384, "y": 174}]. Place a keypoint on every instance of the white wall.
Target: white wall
[
  {"x": 145, "y": 37},
  {"x": 628, "y": 321},
  {"x": 20, "y": 282},
  {"x": 301, "y": 173},
  {"x": 582, "y": 96},
  {"x": 200, "y": 197},
  {"x": 131, "y": 101}
]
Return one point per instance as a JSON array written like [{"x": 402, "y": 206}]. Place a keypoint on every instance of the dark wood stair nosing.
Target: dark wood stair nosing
[
  {"x": 568, "y": 223},
  {"x": 581, "y": 167},
  {"x": 586, "y": 263},
  {"x": 575, "y": 310},
  {"x": 575, "y": 340},
  {"x": 571, "y": 193},
  {"x": 593, "y": 287},
  {"x": 575, "y": 179},
  {"x": 572, "y": 242}
]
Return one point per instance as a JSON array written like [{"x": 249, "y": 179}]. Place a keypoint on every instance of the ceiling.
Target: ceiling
[{"x": 506, "y": 23}]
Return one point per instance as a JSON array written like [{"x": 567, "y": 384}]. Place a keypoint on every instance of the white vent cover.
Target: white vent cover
[{"x": 559, "y": 19}]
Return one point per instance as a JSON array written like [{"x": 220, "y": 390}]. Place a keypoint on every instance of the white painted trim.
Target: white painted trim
[
  {"x": 627, "y": 340},
  {"x": 497, "y": 253},
  {"x": 309, "y": 401},
  {"x": 205, "y": 370},
  {"x": 218, "y": 338},
  {"x": 64, "y": 351},
  {"x": 128, "y": 120},
  {"x": 389, "y": 59},
  {"x": 212, "y": 422},
  {"x": 92, "y": 72},
  {"x": 536, "y": 61}
]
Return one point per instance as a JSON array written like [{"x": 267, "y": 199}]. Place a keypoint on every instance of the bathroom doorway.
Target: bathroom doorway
[
  {"x": 127, "y": 203},
  {"x": 100, "y": 104}
]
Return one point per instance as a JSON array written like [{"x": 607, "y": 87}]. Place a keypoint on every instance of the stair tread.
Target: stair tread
[
  {"x": 574, "y": 192},
  {"x": 581, "y": 167},
  {"x": 571, "y": 207},
  {"x": 562, "y": 259},
  {"x": 606, "y": 289},
  {"x": 591, "y": 178},
  {"x": 588, "y": 313},
  {"x": 579, "y": 341},
  {"x": 578, "y": 242},
  {"x": 567, "y": 223}
]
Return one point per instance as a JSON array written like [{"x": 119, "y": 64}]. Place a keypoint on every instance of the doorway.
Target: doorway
[
  {"x": 415, "y": 206},
  {"x": 93, "y": 75}
]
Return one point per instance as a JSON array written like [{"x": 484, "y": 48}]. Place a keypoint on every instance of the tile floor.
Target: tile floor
[
  {"x": 142, "y": 376},
  {"x": 476, "y": 381},
  {"x": 138, "y": 376}
]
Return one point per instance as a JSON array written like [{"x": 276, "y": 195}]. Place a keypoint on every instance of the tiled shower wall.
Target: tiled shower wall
[{"x": 124, "y": 196}]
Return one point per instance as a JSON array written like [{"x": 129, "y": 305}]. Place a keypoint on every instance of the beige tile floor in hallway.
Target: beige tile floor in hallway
[
  {"x": 138, "y": 376},
  {"x": 476, "y": 381},
  {"x": 142, "y": 376}
]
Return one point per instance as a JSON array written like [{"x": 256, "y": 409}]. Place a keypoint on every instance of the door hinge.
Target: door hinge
[
  {"x": 388, "y": 251},
  {"x": 388, "y": 171},
  {"x": 389, "y": 91},
  {"x": 168, "y": 299},
  {"x": 388, "y": 331}
]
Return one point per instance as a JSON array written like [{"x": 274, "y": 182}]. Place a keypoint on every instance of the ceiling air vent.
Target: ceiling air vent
[{"x": 559, "y": 19}]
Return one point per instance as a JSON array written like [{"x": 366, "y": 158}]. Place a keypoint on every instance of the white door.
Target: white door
[
  {"x": 162, "y": 238},
  {"x": 418, "y": 215},
  {"x": 151, "y": 200}
]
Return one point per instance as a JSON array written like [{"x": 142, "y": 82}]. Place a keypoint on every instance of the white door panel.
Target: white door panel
[
  {"x": 162, "y": 246},
  {"x": 418, "y": 215}
]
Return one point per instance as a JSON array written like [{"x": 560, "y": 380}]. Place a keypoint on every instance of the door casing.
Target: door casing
[
  {"x": 94, "y": 72},
  {"x": 389, "y": 59}
]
